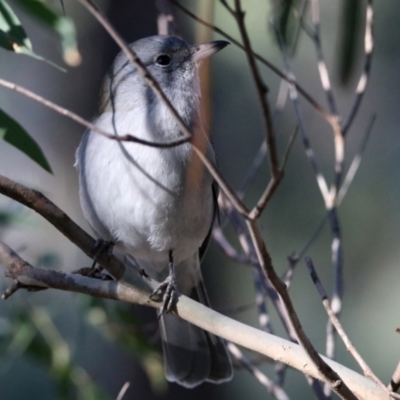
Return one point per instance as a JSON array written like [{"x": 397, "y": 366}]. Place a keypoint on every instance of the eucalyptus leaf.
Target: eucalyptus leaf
[
  {"x": 13, "y": 133},
  {"x": 13, "y": 36},
  {"x": 63, "y": 25}
]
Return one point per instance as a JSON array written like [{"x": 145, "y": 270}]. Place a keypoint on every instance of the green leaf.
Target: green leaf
[
  {"x": 63, "y": 25},
  {"x": 13, "y": 133},
  {"x": 12, "y": 35},
  {"x": 350, "y": 39}
]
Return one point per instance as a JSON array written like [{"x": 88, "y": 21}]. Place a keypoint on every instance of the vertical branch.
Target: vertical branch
[
  {"x": 166, "y": 22},
  {"x": 322, "y": 68},
  {"x": 262, "y": 91},
  {"x": 363, "y": 81}
]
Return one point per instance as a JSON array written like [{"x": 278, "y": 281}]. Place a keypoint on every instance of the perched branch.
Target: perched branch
[
  {"x": 48, "y": 210},
  {"x": 190, "y": 310}
]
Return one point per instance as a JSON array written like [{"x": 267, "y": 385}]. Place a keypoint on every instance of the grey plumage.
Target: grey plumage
[{"x": 150, "y": 201}]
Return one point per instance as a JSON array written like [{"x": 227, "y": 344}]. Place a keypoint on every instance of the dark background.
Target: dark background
[{"x": 369, "y": 215}]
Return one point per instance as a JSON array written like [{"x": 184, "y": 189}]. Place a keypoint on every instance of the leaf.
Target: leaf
[
  {"x": 283, "y": 16},
  {"x": 63, "y": 25},
  {"x": 349, "y": 39},
  {"x": 13, "y": 133},
  {"x": 13, "y": 36}
]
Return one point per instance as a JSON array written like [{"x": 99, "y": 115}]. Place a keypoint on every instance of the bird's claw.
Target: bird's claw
[{"x": 167, "y": 288}]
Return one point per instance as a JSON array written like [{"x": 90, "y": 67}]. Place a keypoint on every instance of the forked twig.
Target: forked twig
[
  {"x": 338, "y": 326},
  {"x": 273, "y": 388},
  {"x": 324, "y": 113},
  {"x": 153, "y": 84}
]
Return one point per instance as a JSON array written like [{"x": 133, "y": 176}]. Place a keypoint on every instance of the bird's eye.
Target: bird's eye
[{"x": 163, "y": 60}]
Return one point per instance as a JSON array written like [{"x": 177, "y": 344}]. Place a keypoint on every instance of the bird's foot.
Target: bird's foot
[
  {"x": 96, "y": 270},
  {"x": 167, "y": 288}
]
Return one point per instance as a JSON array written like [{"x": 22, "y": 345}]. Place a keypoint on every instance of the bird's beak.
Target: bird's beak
[{"x": 202, "y": 51}]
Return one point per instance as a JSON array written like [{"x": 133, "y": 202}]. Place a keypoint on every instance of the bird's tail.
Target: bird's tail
[{"x": 192, "y": 355}]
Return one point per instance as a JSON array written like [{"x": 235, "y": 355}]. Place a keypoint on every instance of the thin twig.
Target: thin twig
[
  {"x": 324, "y": 113},
  {"x": 166, "y": 21},
  {"x": 364, "y": 78},
  {"x": 153, "y": 84},
  {"x": 338, "y": 326},
  {"x": 67, "y": 113},
  {"x": 262, "y": 91},
  {"x": 330, "y": 376},
  {"x": 228, "y": 249},
  {"x": 273, "y": 183},
  {"x": 123, "y": 390},
  {"x": 322, "y": 68},
  {"x": 323, "y": 186},
  {"x": 355, "y": 163},
  {"x": 48, "y": 210},
  {"x": 276, "y": 390}
]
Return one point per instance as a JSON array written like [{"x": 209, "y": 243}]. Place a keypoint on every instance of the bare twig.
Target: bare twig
[
  {"x": 276, "y": 390},
  {"x": 363, "y": 81},
  {"x": 123, "y": 390},
  {"x": 329, "y": 375},
  {"x": 322, "y": 68},
  {"x": 262, "y": 91},
  {"x": 338, "y": 326},
  {"x": 323, "y": 186},
  {"x": 153, "y": 84},
  {"x": 67, "y": 113},
  {"x": 166, "y": 19},
  {"x": 48, "y": 210},
  {"x": 325, "y": 114},
  {"x": 355, "y": 163},
  {"x": 228, "y": 249}
]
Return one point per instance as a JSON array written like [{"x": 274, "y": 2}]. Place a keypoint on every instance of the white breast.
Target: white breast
[{"x": 148, "y": 200}]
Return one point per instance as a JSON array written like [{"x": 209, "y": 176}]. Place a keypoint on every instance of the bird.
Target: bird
[{"x": 157, "y": 206}]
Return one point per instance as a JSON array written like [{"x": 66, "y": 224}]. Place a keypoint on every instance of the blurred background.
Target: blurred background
[{"x": 64, "y": 345}]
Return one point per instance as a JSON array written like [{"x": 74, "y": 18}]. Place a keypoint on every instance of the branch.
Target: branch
[
  {"x": 87, "y": 124},
  {"x": 262, "y": 91},
  {"x": 276, "y": 390},
  {"x": 329, "y": 375},
  {"x": 60, "y": 220},
  {"x": 325, "y": 114},
  {"x": 363, "y": 81},
  {"x": 191, "y": 311},
  {"x": 338, "y": 326}
]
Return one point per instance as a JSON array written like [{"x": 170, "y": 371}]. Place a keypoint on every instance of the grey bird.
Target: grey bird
[{"x": 157, "y": 205}]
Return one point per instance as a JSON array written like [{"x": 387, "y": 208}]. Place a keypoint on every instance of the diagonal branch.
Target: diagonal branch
[
  {"x": 324, "y": 113},
  {"x": 262, "y": 91},
  {"x": 153, "y": 84},
  {"x": 193, "y": 312}
]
